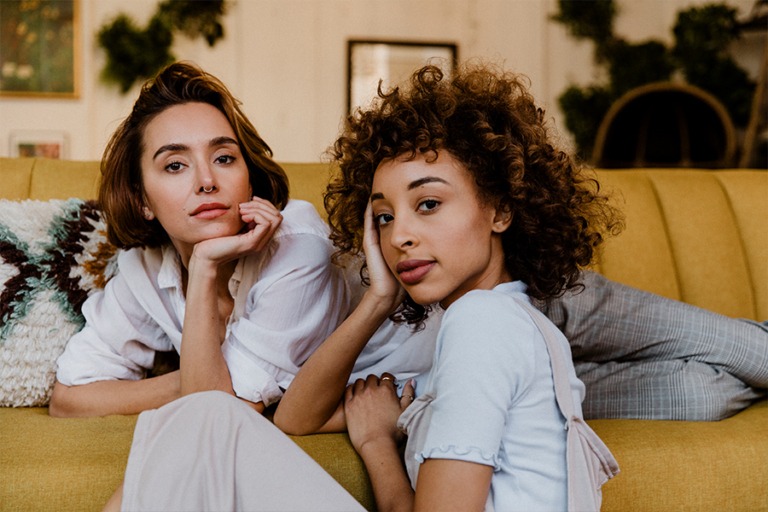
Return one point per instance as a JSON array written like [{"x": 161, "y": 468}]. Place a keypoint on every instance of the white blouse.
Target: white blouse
[{"x": 288, "y": 299}]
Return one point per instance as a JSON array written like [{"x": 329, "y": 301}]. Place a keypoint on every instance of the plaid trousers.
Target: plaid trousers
[{"x": 641, "y": 355}]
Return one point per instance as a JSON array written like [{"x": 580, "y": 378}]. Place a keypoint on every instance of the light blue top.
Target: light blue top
[{"x": 490, "y": 399}]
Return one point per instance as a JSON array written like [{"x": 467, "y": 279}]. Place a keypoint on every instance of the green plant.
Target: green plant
[
  {"x": 584, "y": 108},
  {"x": 135, "y": 54},
  {"x": 593, "y": 21},
  {"x": 702, "y": 35}
]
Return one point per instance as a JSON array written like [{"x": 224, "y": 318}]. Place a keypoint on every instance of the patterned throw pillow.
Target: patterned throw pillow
[{"x": 53, "y": 254}]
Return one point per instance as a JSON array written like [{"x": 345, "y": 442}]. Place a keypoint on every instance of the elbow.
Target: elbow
[
  {"x": 300, "y": 422},
  {"x": 57, "y": 409},
  {"x": 61, "y": 405},
  {"x": 289, "y": 425},
  {"x": 283, "y": 423}
]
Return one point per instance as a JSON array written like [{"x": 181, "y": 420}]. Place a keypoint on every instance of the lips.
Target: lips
[
  {"x": 209, "y": 210},
  {"x": 413, "y": 271}
]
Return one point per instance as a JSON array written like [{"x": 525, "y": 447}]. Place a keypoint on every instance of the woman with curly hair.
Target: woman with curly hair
[
  {"x": 640, "y": 355},
  {"x": 457, "y": 195}
]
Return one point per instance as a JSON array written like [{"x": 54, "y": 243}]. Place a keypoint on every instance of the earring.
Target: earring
[{"x": 147, "y": 213}]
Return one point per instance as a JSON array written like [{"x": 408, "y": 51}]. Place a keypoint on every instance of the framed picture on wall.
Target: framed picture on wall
[
  {"x": 39, "y": 47},
  {"x": 369, "y": 61},
  {"x": 39, "y": 143}
]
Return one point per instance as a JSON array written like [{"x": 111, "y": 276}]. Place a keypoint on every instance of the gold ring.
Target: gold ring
[{"x": 387, "y": 377}]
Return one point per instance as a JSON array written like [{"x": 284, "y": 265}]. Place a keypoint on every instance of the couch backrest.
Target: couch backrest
[
  {"x": 692, "y": 235},
  {"x": 43, "y": 179}
]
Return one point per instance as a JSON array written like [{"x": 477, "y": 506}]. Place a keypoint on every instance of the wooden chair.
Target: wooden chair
[{"x": 666, "y": 124}]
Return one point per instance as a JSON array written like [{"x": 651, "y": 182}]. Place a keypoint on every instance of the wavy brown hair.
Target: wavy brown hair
[
  {"x": 486, "y": 119},
  {"x": 121, "y": 193}
]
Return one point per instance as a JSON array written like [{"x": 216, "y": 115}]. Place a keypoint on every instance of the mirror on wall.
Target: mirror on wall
[{"x": 391, "y": 62}]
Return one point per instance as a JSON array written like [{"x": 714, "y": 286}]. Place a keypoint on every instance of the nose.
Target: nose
[
  {"x": 206, "y": 180},
  {"x": 402, "y": 235}
]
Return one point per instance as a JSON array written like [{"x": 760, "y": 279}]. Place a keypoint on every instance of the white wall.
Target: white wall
[{"x": 286, "y": 60}]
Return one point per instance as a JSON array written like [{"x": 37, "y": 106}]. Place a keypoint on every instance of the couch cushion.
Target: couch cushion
[
  {"x": 704, "y": 238},
  {"x": 747, "y": 194},
  {"x": 16, "y": 176},
  {"x": 664, "y": 464},
  {"x": 63, "y": 179},
  {"x": 84, "y": 460},
  {"x": 685, "y": 465},
  {"x": 640, "y": 256},
  {"x": 52, "y": 255},
  {"x": 692, "y": 235},
  {"x": 64, "y": 464}
]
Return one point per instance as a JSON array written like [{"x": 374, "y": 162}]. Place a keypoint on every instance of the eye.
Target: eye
[
  {"x": 224, "y": 159},
  {"x": 174, "y": 167},
  {"x": 383, "y": 219},
  {"x": 428, "y": 205}
]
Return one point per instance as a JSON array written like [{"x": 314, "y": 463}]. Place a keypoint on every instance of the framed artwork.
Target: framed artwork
[
  {"x": 42, "y": 143},
  {"x": 369, "y": 61},
  {"x": 39, "y": 48}
]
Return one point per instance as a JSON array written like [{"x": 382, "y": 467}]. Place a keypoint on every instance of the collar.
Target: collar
[{"x": 169, "y": 275}]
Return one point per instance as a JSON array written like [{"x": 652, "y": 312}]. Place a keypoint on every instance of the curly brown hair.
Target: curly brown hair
[
  {"x": 486, "y": 119},
  {"x": 121, "y": 193}
]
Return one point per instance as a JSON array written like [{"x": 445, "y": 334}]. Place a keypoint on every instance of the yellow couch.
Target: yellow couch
[{"x": 695, "y": 236}]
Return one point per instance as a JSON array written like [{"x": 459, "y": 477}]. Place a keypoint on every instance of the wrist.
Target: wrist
[
  {"x": 379, "y": 306},
  {"x": 202, "y": 266},
  {"x": 375, "y": 448}
]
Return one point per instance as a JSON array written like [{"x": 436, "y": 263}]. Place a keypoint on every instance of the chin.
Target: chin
[
  {"x": 217, "y": 233},
  {"x": 424, "y": 299}
]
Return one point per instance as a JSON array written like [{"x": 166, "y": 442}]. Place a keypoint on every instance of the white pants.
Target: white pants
[{"x": 210, "y": 451}]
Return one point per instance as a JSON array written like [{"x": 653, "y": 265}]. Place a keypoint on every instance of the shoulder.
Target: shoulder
[
  {"x": 299, "y": 246},
  {"x": 302, "y": 238},
  {"x": 488, "y": 317},
  {"x": 497, "y": 306},
  {"x": 301, "y": 218}
]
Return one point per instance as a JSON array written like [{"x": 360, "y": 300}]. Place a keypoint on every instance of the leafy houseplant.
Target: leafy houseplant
[
  {"x": 702, "y": 35},
  {"x": 136, "y": 54}
]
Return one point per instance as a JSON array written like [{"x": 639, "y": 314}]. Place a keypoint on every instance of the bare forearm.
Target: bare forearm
[
  {"x": 391, "y": 486},
  {"x": 311, "y": 401},
  {"x": 114, "y": 396},
  {"x": 202, "y": 363}
]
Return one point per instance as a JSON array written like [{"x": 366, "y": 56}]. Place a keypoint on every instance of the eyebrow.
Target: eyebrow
[
  {"x": 423, "y": 181},
  {"x": 414, "y": 184},
  {"x": 216, "y": 141}
]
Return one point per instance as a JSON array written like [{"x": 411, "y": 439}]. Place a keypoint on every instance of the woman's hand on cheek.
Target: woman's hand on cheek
[
  {"x": 383, "y": 283},
  {"x": 261, "y": 220},
  {"x": 371, "y": 408}
]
